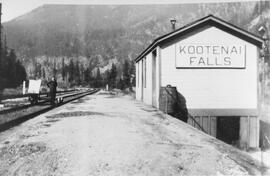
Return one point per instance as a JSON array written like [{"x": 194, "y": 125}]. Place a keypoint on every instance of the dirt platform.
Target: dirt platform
[{"x": 106, "y": 134}]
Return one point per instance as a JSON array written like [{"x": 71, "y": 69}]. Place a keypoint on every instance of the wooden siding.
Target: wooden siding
[{"x": 213, "y": 88}]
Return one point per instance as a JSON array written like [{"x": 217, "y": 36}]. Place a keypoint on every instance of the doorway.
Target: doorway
[
  {"x": 154, "y": 67},
  {"x": 228, "y": 128},
  {"x": 142, "y": 80}
]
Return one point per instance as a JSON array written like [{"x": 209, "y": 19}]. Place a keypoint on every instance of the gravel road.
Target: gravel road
[{"x": 114, "y": 135}]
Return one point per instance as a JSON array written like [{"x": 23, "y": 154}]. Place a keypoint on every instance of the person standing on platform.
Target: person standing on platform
[{"x": 52, "y": 85}]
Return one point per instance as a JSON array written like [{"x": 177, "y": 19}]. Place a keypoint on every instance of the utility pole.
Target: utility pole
[
  {"x": 263, "y": 31},
  {"x": 1, "y": 58},
  {"x": 1, "y": 30},
  {"x": 264, "y": 53},
  {"x": 264, "y": 59}
]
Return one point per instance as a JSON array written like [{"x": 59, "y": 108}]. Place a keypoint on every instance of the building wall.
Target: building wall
[
  {"x": 139, "y": 80},
  {"x": 147, "y": 90},
  {"x": 144, "y": 88},
  {"x": 213, "y": 88}
]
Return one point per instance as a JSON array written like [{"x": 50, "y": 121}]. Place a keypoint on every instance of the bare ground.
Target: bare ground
[{"x": 111, "y": 135}]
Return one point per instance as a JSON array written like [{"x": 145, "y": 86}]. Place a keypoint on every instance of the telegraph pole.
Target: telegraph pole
[
  {"x": 1, "y": 30},
  {"x": 1, "y": 58}
]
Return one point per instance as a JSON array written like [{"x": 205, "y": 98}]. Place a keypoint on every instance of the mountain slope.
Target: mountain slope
[{"x": 106, "y": 32}]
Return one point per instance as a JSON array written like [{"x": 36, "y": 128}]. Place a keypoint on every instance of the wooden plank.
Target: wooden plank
[
  {"x": 197, "y": 119},
  {"x": 205, "y": 124},
  {"x": 213, "y": 126},
  {"x": 243, "y": 133},
  {"x": 210, "y": 125},
  {"x": 254, "y": 133}
]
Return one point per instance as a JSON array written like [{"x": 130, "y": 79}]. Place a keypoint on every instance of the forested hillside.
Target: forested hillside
[{"x": 77, "y": 42}]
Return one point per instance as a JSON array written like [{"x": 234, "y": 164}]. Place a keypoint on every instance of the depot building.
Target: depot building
[{"x": 214, "y": 65}]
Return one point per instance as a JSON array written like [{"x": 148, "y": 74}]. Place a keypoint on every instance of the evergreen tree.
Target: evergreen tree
[
  {"x": 43, "y": 73},
  {"x": 120, "y": 84},
  {"x": 81, "y": 71},
  {"x": 86, "y": 76},
  {"x": 98, "y": 79},
  {"x": 88, "y": 79},
  {"x": 107, "y": 77},
  {"x": 77, "y": 73},
  {"x": 37, "y": 70},
  {"x": 126, "y": 74},
  {"x": 132, "y": 73},
  {"x": 54, "y": 69},
  {"x": 63, "y": 69},
  {"x": 12, "y": 72},
  {"x": 71, "y": 71},
  {"x": 20, "y": 73},
  {"x": 112, "y": 76}
]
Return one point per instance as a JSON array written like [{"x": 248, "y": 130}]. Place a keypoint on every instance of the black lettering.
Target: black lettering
[
  {"x": 215, "y": 50},
  {"x": 199, "y": 50},
  {"x": 224, "y": 50},
  {"x": 182, "y": 49},
  {"x": 227, "y": 61},
  {"x": 208, "y": 63},
  {"x": 233, "y": 50},
  {"x": 240, "y": 49},
  {"x": 216, "y": 61},
  {"x": 208, "y": 49},
  {"x": 191, "y": 60},
  {"x": 201, "y": 61},
  {"x": 191, "y": 49}
]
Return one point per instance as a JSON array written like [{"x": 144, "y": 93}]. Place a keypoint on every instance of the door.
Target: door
[
  {"x": 154, "y": 76},
  {"x": 142, "y": 82}
]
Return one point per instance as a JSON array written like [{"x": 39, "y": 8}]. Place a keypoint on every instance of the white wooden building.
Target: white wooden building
[{"x": 214, "y": 65}]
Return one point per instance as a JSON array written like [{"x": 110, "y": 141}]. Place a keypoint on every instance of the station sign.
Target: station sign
[{"x": 210, "y": 55}]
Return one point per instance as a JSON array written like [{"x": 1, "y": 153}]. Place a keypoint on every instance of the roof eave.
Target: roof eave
[{"x": 193, "y": 24}]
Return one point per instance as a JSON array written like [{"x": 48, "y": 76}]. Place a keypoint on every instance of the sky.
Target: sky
[{"x": 14, "y": 8}]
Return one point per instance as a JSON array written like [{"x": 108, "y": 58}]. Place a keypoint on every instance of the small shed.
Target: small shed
[{"x": 214, "y": 65}]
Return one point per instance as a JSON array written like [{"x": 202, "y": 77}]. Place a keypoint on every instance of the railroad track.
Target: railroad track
[
  {"x": 43, "y": 99},
  {"x": 5, "y": 97},
  {"x": 12, "y": 117},
  {"x": 12, "y": 102}
]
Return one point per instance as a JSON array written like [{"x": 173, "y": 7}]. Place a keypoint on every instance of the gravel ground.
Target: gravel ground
[{"x": 107, "y": 134}]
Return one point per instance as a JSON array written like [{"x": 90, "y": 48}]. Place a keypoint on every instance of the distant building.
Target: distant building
[{"x": 214, "y": 65}]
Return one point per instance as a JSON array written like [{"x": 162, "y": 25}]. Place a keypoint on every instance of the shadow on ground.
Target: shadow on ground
[
  {"x": 78, "y": 101},
  {"x": 74, "y": 114},
  {"x": 149, "y": 110}
]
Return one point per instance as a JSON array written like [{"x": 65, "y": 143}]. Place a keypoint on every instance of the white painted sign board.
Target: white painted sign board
[
  {"x": 34, "y": 86},
  {"x": 197, "y": 55}
]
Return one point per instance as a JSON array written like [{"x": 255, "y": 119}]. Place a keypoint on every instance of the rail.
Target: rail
[
  {"x": 189, "y": 115},
  {"x": 42, "y": 109},
  {"x": 5, "y": 97},
  {"x": 39, "y": 103}
]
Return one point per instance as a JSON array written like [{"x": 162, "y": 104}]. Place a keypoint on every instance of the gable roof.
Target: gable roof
[{"x": 209, "y": 20}]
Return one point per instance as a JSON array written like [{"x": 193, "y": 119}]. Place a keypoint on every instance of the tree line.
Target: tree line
[
  {"x": 12, "y": 72},
  {"x": 120, "y": 77},
  {"x": 76, "y": 73}
]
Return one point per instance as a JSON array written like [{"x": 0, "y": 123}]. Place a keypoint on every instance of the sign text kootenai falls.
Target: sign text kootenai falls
[{"x": 210, "y": 56}]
